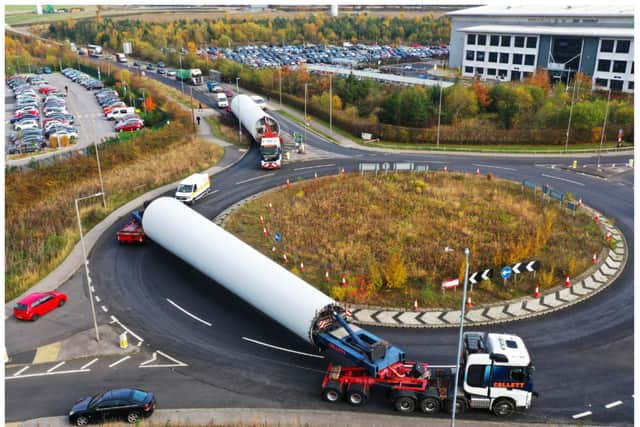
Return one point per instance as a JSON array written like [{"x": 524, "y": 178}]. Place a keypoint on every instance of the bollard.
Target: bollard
[
  {"x": 536, "y": 292},
  {"x": 124, "y": 343},
  {"x": 575, "y": 164},
  {"x": 630, "y": 164}
]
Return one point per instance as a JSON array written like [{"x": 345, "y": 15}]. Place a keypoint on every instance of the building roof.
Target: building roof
[
  {"x": 551, "y": 30},
  {"x": 391, "y": 78},
  {"x": 602, "y": 9}
]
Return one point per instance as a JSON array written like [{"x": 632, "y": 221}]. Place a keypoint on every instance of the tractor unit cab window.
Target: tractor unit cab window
[
  {"x": 478, "y": 375},
  {"x": 184, "y": 188},
  {"x": 518, "y": 374}
]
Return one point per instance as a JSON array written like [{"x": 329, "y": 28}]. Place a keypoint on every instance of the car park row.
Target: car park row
[
  {"x": 41, "y": 118},
  {"x": 113, "y": 107}
]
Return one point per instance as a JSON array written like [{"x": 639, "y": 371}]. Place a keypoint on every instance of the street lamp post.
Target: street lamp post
[
  {"x": 573, "y": 96},
  {"x": 86, "y": 262},
  {"x": 330, "y": 104},
  {"x": 306, "y": 124},
  {"x": 239, "y": 109},
  {"x": 439, "y": 115},
  {"x": 280, "y": 75},
  {"x": 460, "y": 333},
  {"x": 604, "y": 126},
  {"x": 95, "y": 144},
  {"x": 181, "y": 81}
]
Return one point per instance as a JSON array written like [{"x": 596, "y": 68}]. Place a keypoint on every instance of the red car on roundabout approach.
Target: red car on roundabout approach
[{"x": 36, "y": 304}]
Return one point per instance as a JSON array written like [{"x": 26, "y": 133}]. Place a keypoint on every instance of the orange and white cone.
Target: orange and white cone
[
  {"x": 285, "y": 259},
  {"x": 288, "y": 183},
  {"x": 594, "y": 258},
  {"x": 315, "y": 175},
  {"x": 342, "y": 172},
  {"x": 567, "y": 282},
  {"x": 343, "y": 282},
  {"x": 261, "y": 220},
  {"x": 265, "y": 232},
  {"x": 597, "y": 218},
  {"x": 478, "y": 172},
  {"x": 415, "y": 305},
  {"x": 445, "y": 168},
  {"x": 536, "y": 292},
  {"x": 302, "y": 266},
  {"x": 579, "y": 203},
  {"x": 270, "y": 207},
  {"x": 326, "y": 276},
  {"x": 469, "y": 303},
  {"x": 607, "y": 237}
]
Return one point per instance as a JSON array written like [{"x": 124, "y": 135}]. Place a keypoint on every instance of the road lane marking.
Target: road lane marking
[
  {"x": 90, "y": 363},
  {"x": 20, "y": 371},
  {"x": 314, "y": 167},
  {"x": 47, "y": 353},
  {"x": 563, "y": 179},
  {"x": 97, "y": 298},
  {"x": 613, "y": 404},
  {"x": 43, "y": 374},
  {"x": 57, "y": 366},
  {"x": 105, "y": 309},
  {"x": 117, "y": 362},
  {"x": 189, "y": 314},
  {"x": 581, "y": 415},
  {"x": 493, "y": 167},
  {"x": 114, "y": 319},
  {"x": 282, "y": 348},
  {"x": 253, "y": 179},
  {"x": 154, "y": 357}
]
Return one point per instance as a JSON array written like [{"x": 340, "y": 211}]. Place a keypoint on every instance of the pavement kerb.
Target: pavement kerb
[
  {"x": 286, "y": 417},
  {"x": 74, "y": 260},
  {"x": 417, "y": 317}
]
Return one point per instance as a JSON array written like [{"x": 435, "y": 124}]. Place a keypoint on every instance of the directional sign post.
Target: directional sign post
[
  {"x": 517, "y": 269},
  {"x": 478, "y": 276},
  {"x": 532, "y": 267},
  {"x": 505, "y": 273},
  {"x": 277, "y": 237}
]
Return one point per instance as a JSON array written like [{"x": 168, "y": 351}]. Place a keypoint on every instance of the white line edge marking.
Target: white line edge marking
[
  {"x": 581, "y": 415},
  {"x": 105, "y": 309},
  {"x": 119, "y": 361},
  {"x": 442, "y": 366},
  {"x": 189, "y": 314},
  {"x": 57, "y": 366},
  {"x": 563, "y": 179},
  {"x": 253, "y": 179},
  {"x": 97, "y": 298},
  {"x": 42, "y": 374},
  {"x": 282, "y": 348},
  {"x": 90, "y": 363},
  {"x": 493, "y": 167},
  {"x": 613, "y": 404},
  {"x": 20, "y": 371},
  {"x": 314, "y": 167},
  {"x": 155, "y": 357},
  {"x": 214, "y": 191},
  {"x": 115, "y": 319}
]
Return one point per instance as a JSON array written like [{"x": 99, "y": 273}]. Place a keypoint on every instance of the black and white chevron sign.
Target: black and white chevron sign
[
  {"x": 480, "y": 275},
  {"x": 521, "y": 267}
]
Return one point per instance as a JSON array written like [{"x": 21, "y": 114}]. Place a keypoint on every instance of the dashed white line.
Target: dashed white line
[
  {"x": 20, "y": 371},
  {"x": 114, "y": 319},
  {"x": 105, "y": 309},
  {"x": 56, "y": 367},
  {"x": 282, "y": 348},
  {"x": 314, "y": 167},
  {"x": 582, "y": 415},
  {"x": 188, "y": 314},
  {"x": 117, "y": 362},
  {"x": 253, "y": 179},
  {"x": 42, "y": 374},
  {"x": 97, "y": 298},
  {"x": 493, "y": 167},
  {"x": 90, "y": 363},
  {"x": 563, "y": 179},
  {"x": 613, "y": 404}
]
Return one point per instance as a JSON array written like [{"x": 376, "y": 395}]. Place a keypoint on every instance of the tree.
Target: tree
[
  {"x": 482, "y": 94},
  {"x": 505, "y": 103},
  {"x": 540, "y": 78},
  {"x": 394, "y": 271},
  {"x": 149, "y": 105},
  {"x": 459, "y": 102}
]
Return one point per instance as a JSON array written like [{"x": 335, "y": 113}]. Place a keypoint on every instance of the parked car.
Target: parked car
[
  {"x": 26, "y": 124},
  {"x": 171, "y": 73},
  {"x": 129, "y": 126},
  {"x": 37, "y": 304},
  {"x": 124, "y": 403},
  {"x": 47, "y": 70}
]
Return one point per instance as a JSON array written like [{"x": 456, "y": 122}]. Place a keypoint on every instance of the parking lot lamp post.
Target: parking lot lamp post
[
  {"x": 193, "y": 113},
  {"x": 239, "y": 109},
  {"x": 604, "y": 126},
  {"x": 330, "y": 104},
  {"x": 439, "y": 115},
  {"x": 86, "y": 262},
  {"x": 95, "y": 144},
  {"x": 306, "y": 124},
  {"x": 573, "y": 96},
  {"x": 181, "y": 81},
  {"x": 280, "y": 75},
  {"x": 460, "y": 333}
]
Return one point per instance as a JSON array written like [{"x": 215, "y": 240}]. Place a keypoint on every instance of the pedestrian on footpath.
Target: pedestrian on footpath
[
  {"x": 66, "y": 89},
  {"x": 198, "y": 120},
  {"x": 200, "y": 106}
]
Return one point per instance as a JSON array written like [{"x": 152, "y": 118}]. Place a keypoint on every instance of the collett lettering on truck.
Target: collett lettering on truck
[{"x": 508, "y": 384}]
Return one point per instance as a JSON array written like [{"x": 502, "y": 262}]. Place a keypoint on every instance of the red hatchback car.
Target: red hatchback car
[{"x": 36, "y": 304}]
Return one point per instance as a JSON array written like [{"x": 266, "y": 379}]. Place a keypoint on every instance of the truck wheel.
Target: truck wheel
[
  {"x": 503, "y": 407},
  {"x": 357, "y": 395},
  {"x": 430, "y": 405},
  {"x": 461, "y": 405},
  {"x": 405, "y": 404},
  {"x": 332, "y": 392}
]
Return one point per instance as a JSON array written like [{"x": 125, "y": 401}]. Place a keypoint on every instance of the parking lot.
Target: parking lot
[{"x": 88, "y": 119}]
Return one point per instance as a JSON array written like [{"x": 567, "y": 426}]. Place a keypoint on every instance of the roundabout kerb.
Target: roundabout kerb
[{"x": 602, "y": 274}]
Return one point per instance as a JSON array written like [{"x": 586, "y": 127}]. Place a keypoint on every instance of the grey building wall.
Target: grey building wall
[
  {"x": 456, "y": 44},
  {"x": 544, "y": 45},
  {"x": 589, "y": 54}
]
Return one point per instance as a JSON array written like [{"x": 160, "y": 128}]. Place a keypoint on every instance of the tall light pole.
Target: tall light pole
[
  {"x": 305, "y": 112},
  {"x": 439, "y": 115},
  {"x": 280, "y": 75},
  {"x": 95, "y": 144},
  {"x": 460, "y": 333},
  {"x": 573, "y": 96},
  {"x": 86, "y": 262},
  {"x": 604, "y": 125},
  {"x": 181, "y": 81},
  {"x": 239, "y": 109},
  {"x": 330, "y": 104}
]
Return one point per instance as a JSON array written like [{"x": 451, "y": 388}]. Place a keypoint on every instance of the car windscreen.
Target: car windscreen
[
  {"x": 139, "y": 395},
  {"x": 184, "y": 188},
  {"x": 21, "y": 306}
]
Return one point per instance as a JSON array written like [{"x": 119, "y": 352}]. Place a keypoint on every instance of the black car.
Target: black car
[{"x": 124, "y": 403}]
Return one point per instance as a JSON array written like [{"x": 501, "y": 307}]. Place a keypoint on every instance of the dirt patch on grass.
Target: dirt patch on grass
[{"x": 385, "y": 235}]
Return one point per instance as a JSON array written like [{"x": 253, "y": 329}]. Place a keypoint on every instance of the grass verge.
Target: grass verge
[
  {"x": 385, "y": 235},
  {"x": 224, "y": 132}
]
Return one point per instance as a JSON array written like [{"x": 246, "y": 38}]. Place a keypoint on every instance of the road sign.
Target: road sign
[
  {"x": 556, "y": 195},
  {"x": 529, "y": 184},
  {"x": 452, "y": 283},
  {"x": 506, "y": 272},
  {"x": 386, "y": 166},
  {"x": 480, "y": 275},
  {"x": 487, "y": 274},
  {"x": 516, "y": 268},
  {"x": 277, "y": 237},
  {"x": 532, "y": 266}
]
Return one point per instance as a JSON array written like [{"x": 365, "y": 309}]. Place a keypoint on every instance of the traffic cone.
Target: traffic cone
[
  {"x": 270, "y": 207},
  {"x": 607, "y": 237},
  {"x": 265, "y": 232},
  {"x": 285, "y": 259},
  {"x": 261, "y": 220},
  {"x": 478, "y": 172},
  {"x": 342, "y": 172},
  {"x": 301, "y": 266},
  {"x": 445, "y": 168},
  {"x": 594, "y": 258},
  {"x": 326, "y": 276},
  {"x": 536, "y": 292},
  {"x": 579, "y": 203},
  {"x": 343, "y": 282},
  {"x": 415, "y": 305},
  {"x": 469, "y": 303},
  {"x": 315, "y": 175},
  {"x": 597, "y": 218},
  {"x": 288, "y": 183},
  {"x": 567, "y": 282}
]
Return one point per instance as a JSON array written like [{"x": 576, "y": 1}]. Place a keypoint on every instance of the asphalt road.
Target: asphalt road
[{"x": 583, "y": 354}]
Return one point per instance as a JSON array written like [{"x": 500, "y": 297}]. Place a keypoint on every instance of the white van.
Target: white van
[
  {"x": 120, "y": 112},
  {"x": 222, "y": 100},
  {"x": 193, "y": 188},
  {"x": 260, "y": 101}
]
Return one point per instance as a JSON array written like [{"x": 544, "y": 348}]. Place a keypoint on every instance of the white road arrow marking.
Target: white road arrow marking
[{"x": 154, "y": 357}]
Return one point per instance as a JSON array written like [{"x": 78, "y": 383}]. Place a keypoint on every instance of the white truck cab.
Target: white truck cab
[
  {"x": 497, "y": 372},
  {"x": 221, "y": 100},
  {"x": 193, "y": 188}
]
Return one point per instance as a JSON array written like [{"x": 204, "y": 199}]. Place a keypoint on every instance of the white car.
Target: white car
[
  {"x": 65, "y": 132},
  {"x": 26, "y": 124},
  {"x": 259, "y": 101}
]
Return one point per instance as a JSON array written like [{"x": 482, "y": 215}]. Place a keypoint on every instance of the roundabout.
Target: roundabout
[{"x": 241, "y": 358}]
